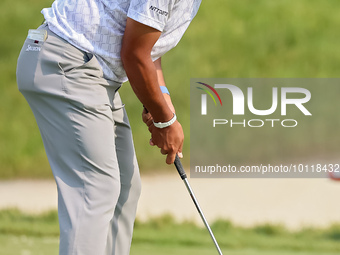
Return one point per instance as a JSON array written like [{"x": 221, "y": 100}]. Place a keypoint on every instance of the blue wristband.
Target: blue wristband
[{"x": 164, "y": 90}]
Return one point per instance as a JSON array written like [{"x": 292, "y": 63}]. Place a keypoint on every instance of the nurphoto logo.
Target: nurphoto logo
[
  {"x": 239, "y": 97},
  {"x": 264, "y": 127}
]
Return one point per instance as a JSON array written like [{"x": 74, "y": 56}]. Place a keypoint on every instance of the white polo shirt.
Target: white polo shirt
[{"x": 97, "y": 26}]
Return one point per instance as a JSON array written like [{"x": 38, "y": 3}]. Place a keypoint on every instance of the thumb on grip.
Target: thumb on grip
[{"x": 180, "y": 168}]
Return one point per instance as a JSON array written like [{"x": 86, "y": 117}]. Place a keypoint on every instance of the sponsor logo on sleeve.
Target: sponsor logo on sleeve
[{"x": 159, "y": 11}]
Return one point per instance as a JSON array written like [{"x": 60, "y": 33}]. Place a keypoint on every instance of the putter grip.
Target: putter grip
[{"x": 180, "y": 168}]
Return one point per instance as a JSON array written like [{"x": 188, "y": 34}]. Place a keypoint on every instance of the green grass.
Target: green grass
[
  {"x": 282, "y": 38},
  {"x": 27, "y": 245},
  {"x": 22, "y": 233}
]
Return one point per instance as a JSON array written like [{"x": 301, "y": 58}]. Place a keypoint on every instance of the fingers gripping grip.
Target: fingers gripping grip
[{"x": 180, "y": 168}]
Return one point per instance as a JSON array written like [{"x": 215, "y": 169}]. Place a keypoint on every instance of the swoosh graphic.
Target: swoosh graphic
[
  {"x": 208, "y": 92},
  {"x": 213, "y": 90}
]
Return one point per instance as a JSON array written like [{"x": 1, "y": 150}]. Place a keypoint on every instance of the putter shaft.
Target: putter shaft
[{"x": 183, "y": 175}]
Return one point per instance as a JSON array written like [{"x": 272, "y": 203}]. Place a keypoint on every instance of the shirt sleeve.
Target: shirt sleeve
[{"x": 153, "y": 13}]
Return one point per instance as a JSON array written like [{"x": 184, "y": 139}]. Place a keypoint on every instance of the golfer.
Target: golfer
[{"x": 70, "y": 70}]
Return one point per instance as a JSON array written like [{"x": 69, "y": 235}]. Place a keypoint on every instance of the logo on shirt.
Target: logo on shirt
[{"x": 159, "y": 11}]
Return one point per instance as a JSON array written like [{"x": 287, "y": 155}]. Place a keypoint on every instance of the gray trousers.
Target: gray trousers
[{"x": 88, "y": 142}]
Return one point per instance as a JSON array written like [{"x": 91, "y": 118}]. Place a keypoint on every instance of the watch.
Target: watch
[{"x": 165, "y": 124}]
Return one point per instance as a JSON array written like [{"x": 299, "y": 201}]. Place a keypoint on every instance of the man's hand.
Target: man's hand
[
  {"x": 169, "y": 139},
  {"x": 146, "y": 115},
  {"x": 147, "y": 118}
]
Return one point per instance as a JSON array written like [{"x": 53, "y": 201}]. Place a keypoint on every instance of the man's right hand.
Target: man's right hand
[{"x": 169, "y": 139}]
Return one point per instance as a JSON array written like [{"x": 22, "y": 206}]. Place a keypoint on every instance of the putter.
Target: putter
[{"x": 183, "y": 175}]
